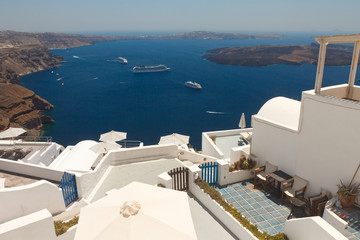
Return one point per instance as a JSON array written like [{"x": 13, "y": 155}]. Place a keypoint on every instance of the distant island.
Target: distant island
[
  {"x": 261, "y": 56},
  {"x": 23, "y": 53}
]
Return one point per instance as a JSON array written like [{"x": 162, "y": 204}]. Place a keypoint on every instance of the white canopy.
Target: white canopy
[
  {"x": 242, "y": 123},
  {"x": 12, "y": 132},
  {"x": 104, "y": 147},
  {"x": 112, "y": 136},
  {"x": 157, "y": 213},
  {"x": 174, "y": 138}
]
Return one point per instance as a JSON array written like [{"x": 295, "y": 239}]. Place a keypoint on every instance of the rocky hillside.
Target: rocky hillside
[
  {"x": 22, "y": 107},
  {"x": 23, "y": 53}
]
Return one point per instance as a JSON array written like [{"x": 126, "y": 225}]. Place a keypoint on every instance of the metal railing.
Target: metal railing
[
  {"x": 36, "y": 139},
  {"x": 130, "y": 143}
]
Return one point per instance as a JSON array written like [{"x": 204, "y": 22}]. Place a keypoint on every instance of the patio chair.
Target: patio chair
[
  {"x": 294, "y": 188},
  {"x": 261, "y": 175},
  {"x": 317, "y": 203}
]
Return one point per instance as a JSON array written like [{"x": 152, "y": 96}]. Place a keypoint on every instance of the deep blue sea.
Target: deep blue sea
[{"x": 93, "y": 94}]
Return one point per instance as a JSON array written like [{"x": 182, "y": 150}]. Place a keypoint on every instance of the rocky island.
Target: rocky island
[{"x": 260, "y": 56}]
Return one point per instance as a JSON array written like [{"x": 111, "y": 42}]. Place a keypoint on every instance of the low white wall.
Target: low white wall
[
  {"x": 184, "y": 155},
  {"x": 139, "y": 154},
  {"x": 68, "y": 235},
  {"x": 235, "y": 153},
  {"x": 49, "y": 154},
  {"x": 20, "y": 201},
  {"x": 311, "y": 228},
  {"x": 226, "y": 177},
  {"x": 208, "y": 146},
  {"x": 31, "y": 170},
  {"x": 165, "y": 180},
  {"x": 86, "y": 182},
  {"x": 334, "y": 220},
  {"x": 36, "y": 226},
  {"x": 34, "y": 158},
  {"x": 229, "y": 221}
]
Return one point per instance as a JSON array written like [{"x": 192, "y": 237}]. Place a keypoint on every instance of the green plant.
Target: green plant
[
  {"x": 216, "y": 196},
  {"x": 61, "y": 227},
  {"x": 243, "y": 164},
  {"x": 212, "y": 137},
  {"x": 351, "y": 190},
  {"x": 160, "y": 185}
]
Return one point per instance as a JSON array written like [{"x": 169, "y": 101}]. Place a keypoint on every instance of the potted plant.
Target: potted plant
[{"x": 347, "y": 194}]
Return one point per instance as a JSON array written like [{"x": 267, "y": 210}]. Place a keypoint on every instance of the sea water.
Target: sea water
[{"x": 93, "y": 94}]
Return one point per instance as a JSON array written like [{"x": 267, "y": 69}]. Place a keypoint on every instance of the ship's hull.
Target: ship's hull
[{"x": 193, "y": 85}]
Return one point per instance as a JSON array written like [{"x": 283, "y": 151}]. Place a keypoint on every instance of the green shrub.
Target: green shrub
[
  {"x": 243, "y": 164},
  {"x": 215, "y": 195},
  {"x": 61, "y": 227}
]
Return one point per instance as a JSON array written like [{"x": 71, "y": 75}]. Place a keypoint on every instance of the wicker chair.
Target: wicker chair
[
  {"x": 262, "y": 174},
  {"x": 294, "y": 188}
]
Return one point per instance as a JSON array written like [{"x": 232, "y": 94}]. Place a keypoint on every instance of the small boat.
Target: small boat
[
  {"x": 122, "y": 60},
  {"x": 145, "y": 69},
  {"x": 193, "y": 85}
]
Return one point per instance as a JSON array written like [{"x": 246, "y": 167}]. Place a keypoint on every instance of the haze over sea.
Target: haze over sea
[{"x": 93, "y": 94}]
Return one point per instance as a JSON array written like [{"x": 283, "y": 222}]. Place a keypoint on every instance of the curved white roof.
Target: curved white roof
[
  {"x": 281, "y": 111},
  {"x": 79, "y": 158}
]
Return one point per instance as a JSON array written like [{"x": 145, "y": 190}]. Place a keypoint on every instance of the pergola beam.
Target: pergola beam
[
  {"x": 320, "y": 66},
  {"x": 354, "y": 66}
]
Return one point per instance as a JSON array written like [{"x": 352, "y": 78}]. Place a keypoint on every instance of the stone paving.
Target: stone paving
[{"x": 260, "y": 208}]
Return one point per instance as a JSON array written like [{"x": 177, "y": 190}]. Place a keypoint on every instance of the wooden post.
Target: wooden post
[
  {"x": 320, "y": 66},
  {"x": 354, "y": 65}
]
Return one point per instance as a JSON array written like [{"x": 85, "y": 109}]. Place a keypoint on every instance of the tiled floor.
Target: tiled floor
[
  {"x": 353, "y": 219},
  {"x": 260, "y": 208}
]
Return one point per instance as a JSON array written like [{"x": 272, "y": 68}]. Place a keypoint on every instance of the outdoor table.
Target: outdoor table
[{"x": 280, "y": 177}]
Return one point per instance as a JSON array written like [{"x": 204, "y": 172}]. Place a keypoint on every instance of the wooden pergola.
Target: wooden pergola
[{"x": 324, "y": 41}]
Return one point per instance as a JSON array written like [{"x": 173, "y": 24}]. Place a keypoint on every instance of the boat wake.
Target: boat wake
[
  {"x": 77, "y": 57},
  {"x": 59, "y": 79},
  {"x": 211, "y": 112},
  {"x": 95, "y": 78}
]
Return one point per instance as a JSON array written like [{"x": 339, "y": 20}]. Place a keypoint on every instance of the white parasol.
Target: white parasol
[
  {"x": 112, "y": 136},
  {"x": 174, "y": 138},
  {"x": 12, "y": 132},
  {"x": 138, "y": 211},
  {"x": 104, "y": 147}
]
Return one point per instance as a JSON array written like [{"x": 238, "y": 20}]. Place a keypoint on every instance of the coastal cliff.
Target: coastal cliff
[
  {"x": 260, "y": 56},
  {"x": 24, "y": 53}
]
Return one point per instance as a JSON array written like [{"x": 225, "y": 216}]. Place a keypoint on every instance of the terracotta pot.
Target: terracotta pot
[{"x": 346, "y": 201}]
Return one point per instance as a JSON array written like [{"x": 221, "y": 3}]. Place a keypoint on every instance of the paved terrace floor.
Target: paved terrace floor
[
  {"x": 15, "y": 179},
  {"x": 207, "y": 227},
  {"x": 260, "y": 208}
]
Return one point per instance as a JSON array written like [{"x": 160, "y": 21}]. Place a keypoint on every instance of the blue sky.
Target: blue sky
[{"x": 180, "y": 15}]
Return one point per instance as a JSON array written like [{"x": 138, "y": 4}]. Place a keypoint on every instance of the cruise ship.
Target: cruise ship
[
  {"x": 145, "y": 69},
  {"x": 193, "y": 85},
  {"x": 122, "y": 60}
]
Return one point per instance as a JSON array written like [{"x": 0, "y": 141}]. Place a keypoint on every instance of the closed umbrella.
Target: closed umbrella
[
  {"x": 104, "y": 147},
  {"x": 138, "y": 211},
  {"x": 242, "y": 123},
  {"x": 113, "y": 136},
  {"x": 174, "y": 138}
]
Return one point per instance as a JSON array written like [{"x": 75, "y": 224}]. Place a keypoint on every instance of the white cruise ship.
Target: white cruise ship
[{"x": 145, "y": 69}]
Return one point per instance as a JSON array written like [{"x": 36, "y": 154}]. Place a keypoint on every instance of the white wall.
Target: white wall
[
  {"x": 20, "y": 201},
  {"x": 311, "y": 228},
  {"x": 323, "y": 150},
  {"x": 208, "y": 147},
  {"x": 184, "y": 155},
  {"x": 36, "y": 226},
  {"x": 139, "y": 154},
  {"x": 49, "y": 154},
  {"x": 31, "y": 170},
  {"x": 226, "y": 177}
]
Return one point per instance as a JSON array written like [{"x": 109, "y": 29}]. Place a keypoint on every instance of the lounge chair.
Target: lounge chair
[
  {"x": 317, "y": 203},
  {"x": 262, "y": 174},
  {"x": 294, "y": 188}
]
